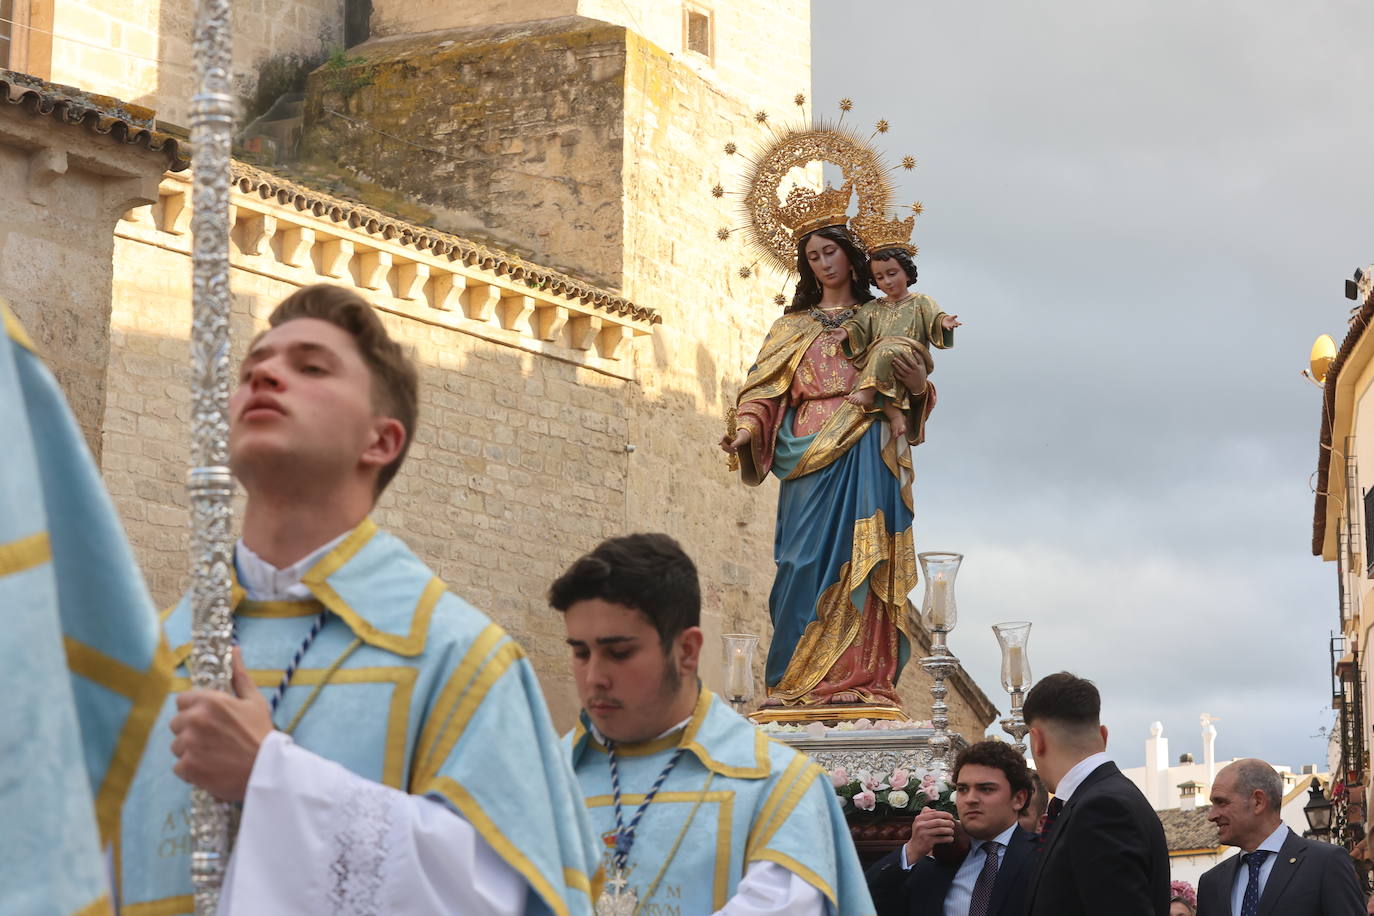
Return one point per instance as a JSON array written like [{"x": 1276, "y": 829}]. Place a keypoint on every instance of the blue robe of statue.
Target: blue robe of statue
[
  {"x": 434, "y": 699},
  {"x": 741, "y": 797},
  {"x": 75, "y": 721}
]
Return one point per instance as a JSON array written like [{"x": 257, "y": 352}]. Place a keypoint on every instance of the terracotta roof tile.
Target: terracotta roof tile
[
  {"x": 101, "y": 114},
  {"x": 1188, "y": 828}
]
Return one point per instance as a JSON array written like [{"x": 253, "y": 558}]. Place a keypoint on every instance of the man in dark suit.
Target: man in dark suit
[
  {"x": 1103, "y": 851},
  {"x": 1278, "y": 872},
  {"x": 992, "y": 784}
]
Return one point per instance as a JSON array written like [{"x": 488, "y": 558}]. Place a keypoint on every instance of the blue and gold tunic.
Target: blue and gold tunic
[
  {"x": 735, "y": 797},
  {"x": 421, "y": 692},
  {"x": 82, "y": 668}
]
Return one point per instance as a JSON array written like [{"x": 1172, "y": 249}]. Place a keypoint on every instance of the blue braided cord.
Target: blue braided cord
[
  {"x": 624, "y": 838},
  {"x": 296, "y": 659}
]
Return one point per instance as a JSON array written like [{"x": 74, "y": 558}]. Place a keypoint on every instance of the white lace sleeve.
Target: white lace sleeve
[
  {"x": 768, "y": 889},
  {"x": 318, "y": 839}
]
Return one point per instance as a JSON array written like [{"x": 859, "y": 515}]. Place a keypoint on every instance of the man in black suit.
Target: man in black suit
[
  {"x": 992, "y": 784},
  {"x": 1278, "y": 872},
  {"x": 1103, "y": 851}
]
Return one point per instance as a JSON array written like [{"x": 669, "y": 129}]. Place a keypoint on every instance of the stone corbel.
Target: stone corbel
[
  {"x": 609, "y": 340},
  {"x": 549, "y": 321},
  {"x": 411, "y": 278},
  {"x": 446, "y": 291},
  {"x": 373, "y": 266},
  {"x": 582, "y": 331},
  {"x": 123, "y": 195},
  {"x": 479, "y": 301},
  {"x": 174, "y": 214},
  {"x": 255, "y": 236},
  {"x": 296, "y": 242},
  {"x": 514, "y": 311},
  {"x": 334, "y": 257},
  {"x": 46, "y": 165}
]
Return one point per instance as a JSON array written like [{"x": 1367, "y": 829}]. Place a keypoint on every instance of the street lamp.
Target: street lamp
[{"x": 1318, "y": 811}]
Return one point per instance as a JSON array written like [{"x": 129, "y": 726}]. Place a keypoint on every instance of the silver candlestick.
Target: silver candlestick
[
  {"x": 1016, "y": 676},
  {"x": 939, "y": 614}
]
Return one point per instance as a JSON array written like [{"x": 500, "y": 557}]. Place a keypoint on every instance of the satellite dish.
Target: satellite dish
[{"x": 1323, "y": 354}]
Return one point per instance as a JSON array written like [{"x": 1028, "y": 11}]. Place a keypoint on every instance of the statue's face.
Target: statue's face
[
  {"x": 828, "y": 262},
  {"x": 890, "y": 277}
]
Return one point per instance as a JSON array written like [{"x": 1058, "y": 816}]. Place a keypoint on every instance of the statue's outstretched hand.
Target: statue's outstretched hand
[
  {"x": 950, "y": 322},
  {"x": 741, "y": 439}
]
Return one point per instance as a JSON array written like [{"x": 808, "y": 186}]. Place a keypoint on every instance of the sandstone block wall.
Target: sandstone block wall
[
  {"x": 65, "y": 189},
  {"x": 514, "y": 135},
  {"x": 140, "y": 50}
]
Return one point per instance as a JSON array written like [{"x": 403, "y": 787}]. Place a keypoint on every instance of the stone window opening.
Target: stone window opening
[
  {"x": 698, "y": 28},
  {"x": 6, "y": 32}
]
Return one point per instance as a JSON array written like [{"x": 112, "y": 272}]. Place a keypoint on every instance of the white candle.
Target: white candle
[
  {"x": 1016, "y": 662},
  {"x": 939, "y": 598}
]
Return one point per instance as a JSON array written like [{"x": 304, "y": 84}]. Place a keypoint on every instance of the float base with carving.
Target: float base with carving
[
  {"x": 878, "y": 752},
  {"x": 828, "y": 714}
]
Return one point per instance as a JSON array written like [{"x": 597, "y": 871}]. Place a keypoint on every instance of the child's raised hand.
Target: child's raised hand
[
  {"x": 839, "y": 335},
  {"x": 950, "y": 322}
]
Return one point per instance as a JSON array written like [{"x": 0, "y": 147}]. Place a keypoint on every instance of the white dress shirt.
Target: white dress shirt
[
  {"x": 1075, "y": 776},
  {"x": 264, "y": 582},
  {"x": 1273, "y": 843},
  {"x": 960, "y": 893}
]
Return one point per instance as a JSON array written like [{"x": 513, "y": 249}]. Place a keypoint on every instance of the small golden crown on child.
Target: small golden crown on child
[
  {"x": 876, "y": 233},
  {"x": 806, "y": 210}
]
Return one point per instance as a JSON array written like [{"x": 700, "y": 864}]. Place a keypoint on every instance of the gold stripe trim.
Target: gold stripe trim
[
  {"x": 316, "y": 579},
  {"x": 167, "y": 906},
  {"x": 147, "y": 701},
  {"x": 25, "y": 553},
  {"x": 15, "y": 330},
  {"x": 800, "y": 870},
  {"x": 500, "y": 662},
  {"x": 577, "y": 881},
  {"x": 98, "y": 907},
  {"x": 277, "y": 609},
  {"x": 99, "y": 668},
  {"x": 461, "y": 799},
  {"x": 793, "y": 786},
  {"x": 398, "y": 716},
  {"x": 448, "y": 697}
]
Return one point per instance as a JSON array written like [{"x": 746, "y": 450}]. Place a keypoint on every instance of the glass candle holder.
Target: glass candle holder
[
  {"x": 1016, "y": 672},
  {"x": 739, "y": 669},
  {"x": 939, "y": 610}
]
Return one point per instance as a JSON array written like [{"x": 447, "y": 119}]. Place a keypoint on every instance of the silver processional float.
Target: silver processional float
[{"x": 209, "y": 483}]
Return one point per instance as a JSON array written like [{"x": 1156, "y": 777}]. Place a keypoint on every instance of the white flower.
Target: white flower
[{"x": 897, "y": 798}]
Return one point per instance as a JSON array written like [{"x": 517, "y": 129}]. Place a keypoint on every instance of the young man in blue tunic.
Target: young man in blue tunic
[
  {"x": 698, "y": 810},
  {"x": 388, "y": 742}
]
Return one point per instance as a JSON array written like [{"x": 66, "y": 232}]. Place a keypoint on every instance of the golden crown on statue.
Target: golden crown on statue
[
  {"x": 806, "y": 210},
  {"x": 877, "y": 233}
]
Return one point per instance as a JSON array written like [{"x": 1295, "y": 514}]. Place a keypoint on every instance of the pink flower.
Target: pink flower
[
  {"x": 815, "y": 730},
  {"x": 865, "y": 800},
  {"x": 864, "y": 723},
  {"x": 900, "y": 779},
  {"x": 839, "y": 777},
  {"x": 930, "y": 789}
]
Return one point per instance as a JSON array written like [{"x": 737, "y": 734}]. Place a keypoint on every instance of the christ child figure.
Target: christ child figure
[{"x": 900, "y": 323}]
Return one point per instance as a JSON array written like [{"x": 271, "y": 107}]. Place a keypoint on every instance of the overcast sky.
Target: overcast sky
[{"x": 1144, "y": 213}]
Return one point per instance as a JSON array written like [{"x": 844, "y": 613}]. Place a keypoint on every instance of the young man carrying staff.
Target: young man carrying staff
[
  {"x": 388, "y": 742},
  {"x": 698, "y": 810}
]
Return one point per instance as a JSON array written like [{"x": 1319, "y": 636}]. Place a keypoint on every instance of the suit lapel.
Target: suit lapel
[
  {"x": 1286, "y": 864},
  {"x": 1049, "y": 843},
  {"x": 1018, "y": 851}
]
